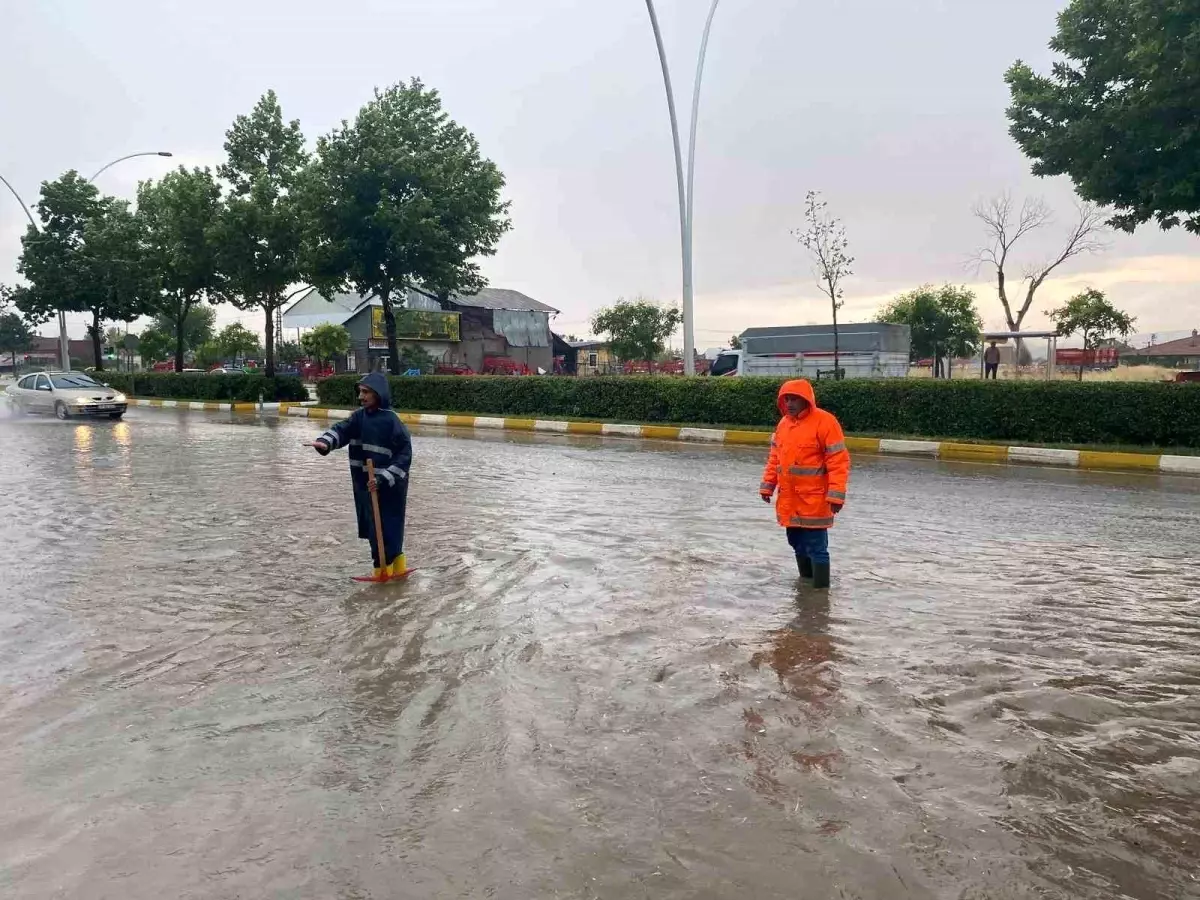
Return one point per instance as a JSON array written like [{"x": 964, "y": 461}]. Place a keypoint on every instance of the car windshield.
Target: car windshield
[{"x": 75, "y": 382}]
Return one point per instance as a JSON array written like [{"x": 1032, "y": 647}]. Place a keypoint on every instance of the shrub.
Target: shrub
[
  {"x": 223, "y": 388},
  {"x": 1060, "y": 412}
]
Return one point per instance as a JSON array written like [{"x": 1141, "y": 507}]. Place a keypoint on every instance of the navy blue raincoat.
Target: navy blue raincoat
[{"x": 381, "y": 437}]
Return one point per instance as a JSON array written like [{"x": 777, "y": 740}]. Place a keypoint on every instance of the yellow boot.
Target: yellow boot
[
  {"x": 399, "y": 567},
  {"x": 380, "y": 571}
]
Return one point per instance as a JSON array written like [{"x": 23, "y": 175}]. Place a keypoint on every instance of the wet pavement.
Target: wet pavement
[{"x": 603, "y": 682}]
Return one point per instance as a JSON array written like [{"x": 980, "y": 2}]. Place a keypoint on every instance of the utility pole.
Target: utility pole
[{"x": 684, "y": 186}]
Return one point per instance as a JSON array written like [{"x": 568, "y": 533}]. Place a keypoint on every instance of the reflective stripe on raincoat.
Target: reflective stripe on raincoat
[{"x": 808, "y": 465}]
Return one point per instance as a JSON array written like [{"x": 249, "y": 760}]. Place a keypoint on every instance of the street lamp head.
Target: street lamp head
[{"x": 165, "y": 153}]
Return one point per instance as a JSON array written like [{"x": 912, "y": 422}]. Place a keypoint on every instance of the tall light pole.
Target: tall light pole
[
  {"x": 64, "y": 346},
  {"x": 103, "y": 169},
  {"x": 685, "y": 188}
]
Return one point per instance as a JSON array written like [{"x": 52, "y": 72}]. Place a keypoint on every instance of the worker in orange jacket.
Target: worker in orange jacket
[{"x": 810, "y": 467}]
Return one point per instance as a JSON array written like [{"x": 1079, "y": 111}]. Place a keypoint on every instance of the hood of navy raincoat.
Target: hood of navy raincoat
[{"x": 378, "y": 382}]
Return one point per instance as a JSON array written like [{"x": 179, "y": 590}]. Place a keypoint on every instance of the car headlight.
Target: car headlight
[{"x": 119, "y": 398}]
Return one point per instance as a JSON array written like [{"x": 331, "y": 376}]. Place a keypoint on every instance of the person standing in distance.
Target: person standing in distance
[
  {"x": 809, "y": 466},
  {"x": 376, "y": 433},
  {"x": 991, "y": 362}
]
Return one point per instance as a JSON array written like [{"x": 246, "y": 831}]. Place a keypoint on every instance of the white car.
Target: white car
[{"x": 66, "y": 394}]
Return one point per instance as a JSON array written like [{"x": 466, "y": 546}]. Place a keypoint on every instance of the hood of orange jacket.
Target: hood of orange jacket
[{"x": 797, "y": 387}]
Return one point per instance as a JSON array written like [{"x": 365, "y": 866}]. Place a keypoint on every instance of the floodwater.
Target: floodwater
[{"x": 603, "y": 682}]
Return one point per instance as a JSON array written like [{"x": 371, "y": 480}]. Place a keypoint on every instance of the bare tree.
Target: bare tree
[
  {"x": 824, "y": 237},
  {"x": 1006, "y": 226}
]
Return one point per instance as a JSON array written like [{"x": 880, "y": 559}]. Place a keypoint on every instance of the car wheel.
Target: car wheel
[
  {"x": 60, "y": 410},
  {"x": 116, "y": 417}
]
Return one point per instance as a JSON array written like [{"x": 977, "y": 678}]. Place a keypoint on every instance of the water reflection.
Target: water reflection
[
  {"x": 790, "y": 738},
  {"x": 83, "y": 438},
  {"x": 801, "y": 653}
]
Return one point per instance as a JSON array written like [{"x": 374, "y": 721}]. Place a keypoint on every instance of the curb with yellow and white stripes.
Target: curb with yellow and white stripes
[{"x": 949, "y": 450}]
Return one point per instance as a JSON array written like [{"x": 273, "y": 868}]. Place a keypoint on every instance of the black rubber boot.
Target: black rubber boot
[
  {"x": 820, "y": 575},
  {"x": 805, "y": 565}
]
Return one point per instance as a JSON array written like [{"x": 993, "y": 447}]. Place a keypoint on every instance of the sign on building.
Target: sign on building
[{"x": 415, "y": 325}]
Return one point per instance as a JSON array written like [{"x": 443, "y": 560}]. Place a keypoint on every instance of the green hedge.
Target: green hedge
[
  {"x": 226, "y": 388},
  {"x": 1060, "y": 412}
]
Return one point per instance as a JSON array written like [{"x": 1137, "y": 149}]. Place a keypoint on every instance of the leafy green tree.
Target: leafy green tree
[
  {"x": 735, "y": 343},
  {"x": 123, "y": 283},
  {"x": 824, "y": 237},
  {"x": 209, "y": 354},
  {"x": 326, "y": 342},
  {"x": 944, "y": 322},
  {"x": 637, "y": 329},
  {"x": 258, "y": 233},
  {"x": 1117, "y": 113},
  {"x": 1091, "y": 314},
  {"x": 15, "y": 334},
  {"x": 401, "y": 198},
  {"x": 288, "y": 353},
  {"x": 87, "y": 258},
  {"x": 236, "y": 341},
  {"x": 200, "y": 326},
  {"x": 414, "y": 356},
  {"x": 155, "y": 345},
  {"x": 180, "y": 212}
]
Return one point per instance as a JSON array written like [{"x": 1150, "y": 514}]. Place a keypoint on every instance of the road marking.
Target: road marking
[
  {"x": 984, "y": 453},
  {"x": 1180, "y": 465},
  {"x": 1044, "y": 456},
  {"x": 909, "y": 448},
  {"x": 1138, "y": 462},
  {"x": 702, "y": 435}
]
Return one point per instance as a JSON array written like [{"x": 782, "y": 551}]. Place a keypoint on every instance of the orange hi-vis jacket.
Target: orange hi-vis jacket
[{"x": 809, "y": 463}]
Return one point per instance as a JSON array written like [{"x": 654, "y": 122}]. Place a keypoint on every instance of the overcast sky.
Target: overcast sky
[{"x": 894, "y": 109}]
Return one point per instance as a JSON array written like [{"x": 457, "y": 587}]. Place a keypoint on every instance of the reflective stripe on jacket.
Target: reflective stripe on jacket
[{"x": 808, "y": 464}]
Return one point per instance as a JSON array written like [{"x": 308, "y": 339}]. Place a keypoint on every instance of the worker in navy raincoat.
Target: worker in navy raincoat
[{"x": 376, "y": 433}]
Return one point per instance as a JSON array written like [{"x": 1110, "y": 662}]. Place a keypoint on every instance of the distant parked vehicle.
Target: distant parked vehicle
[
  {"x": 503, "y": 365},
  {"x": 226, "y": 370},
  {"x": 1185, "y": 377},
  {"x": 67, "y": 394},
  {"x": 867, "y": 350}
]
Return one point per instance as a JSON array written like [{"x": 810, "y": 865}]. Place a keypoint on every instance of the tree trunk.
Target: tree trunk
[
  {"x": 837, "y": 368},
  {"x": 97, "y": 347},
  {"x": 389, "y": 319},
  {"x": 180, "y": 324},
  {"x": 270, "y": 335}
]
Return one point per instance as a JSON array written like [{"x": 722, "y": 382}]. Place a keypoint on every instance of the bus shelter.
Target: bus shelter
[{"x": 1003, "y": 337}]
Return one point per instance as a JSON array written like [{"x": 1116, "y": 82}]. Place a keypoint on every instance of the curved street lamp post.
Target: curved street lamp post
[
  {"x": 64, "y": 347},
  {"x": 684, "y": 186}
]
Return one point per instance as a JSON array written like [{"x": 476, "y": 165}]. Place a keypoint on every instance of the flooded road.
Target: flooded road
[{"x": 604, "y": 681}]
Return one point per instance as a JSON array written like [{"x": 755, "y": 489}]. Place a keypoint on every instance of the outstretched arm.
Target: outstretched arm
[{"x": 338, "y": 435}]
